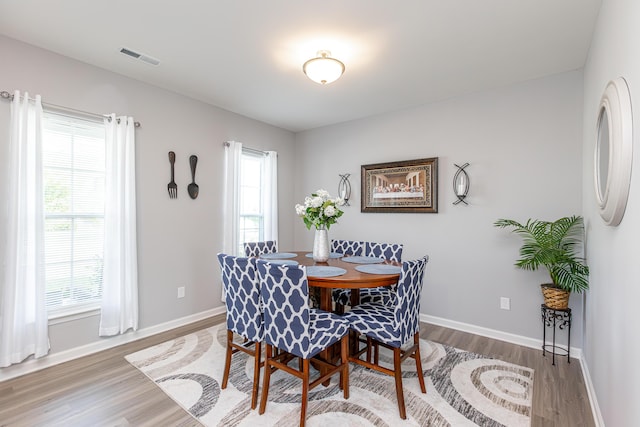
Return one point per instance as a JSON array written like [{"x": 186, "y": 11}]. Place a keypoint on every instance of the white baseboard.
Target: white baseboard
[
  {"x": 591, "y": 392},
  {"x": 576, "y": 352},
  {"x": 33, "y": 365}
]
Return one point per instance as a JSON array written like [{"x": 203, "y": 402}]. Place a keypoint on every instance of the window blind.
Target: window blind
[{"x": 73, "y": 181}]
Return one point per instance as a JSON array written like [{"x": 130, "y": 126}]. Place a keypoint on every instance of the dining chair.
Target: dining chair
[
  {"x": 347, "y": 247},
  {"x": 393, "y": 326},
  {"x": 385, "y": 295},
  {"x": 390, "y": 251},
  {"x": 255, "y": 249},
  {"x": 291, "y": 326},
  {"x": 244, "y": 314}
]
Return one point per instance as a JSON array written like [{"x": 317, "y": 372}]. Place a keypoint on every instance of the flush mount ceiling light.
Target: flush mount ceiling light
[{"x": 323, "y": 69}]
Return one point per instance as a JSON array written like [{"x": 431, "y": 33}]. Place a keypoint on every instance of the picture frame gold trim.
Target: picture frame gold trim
[{"x": 409, "y": 186}]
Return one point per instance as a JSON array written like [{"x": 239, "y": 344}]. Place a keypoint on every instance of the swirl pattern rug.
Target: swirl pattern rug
[{"x": 463, "y": 389}]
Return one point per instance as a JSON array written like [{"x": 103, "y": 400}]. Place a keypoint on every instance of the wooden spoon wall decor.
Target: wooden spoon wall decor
[{"x": 193, "y": 188}]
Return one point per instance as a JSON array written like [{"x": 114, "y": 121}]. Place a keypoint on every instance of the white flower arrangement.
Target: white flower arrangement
[{"x": 320, "y": 210}]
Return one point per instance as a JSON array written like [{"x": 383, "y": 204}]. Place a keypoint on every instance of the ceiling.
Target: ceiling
[{"x": 246, "y": 56}]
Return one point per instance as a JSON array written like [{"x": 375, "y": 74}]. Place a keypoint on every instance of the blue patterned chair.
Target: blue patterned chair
[
  {"x": 393, "y": 326},
  {"x": 244, "y": 316},
  {"x": 292, "y": 326},
  {"x": 347, "y": 247},
  {"x": 385, "y": 295},
  {"x": 255, "y": 249},
  {"x": 390, "y": 251}
]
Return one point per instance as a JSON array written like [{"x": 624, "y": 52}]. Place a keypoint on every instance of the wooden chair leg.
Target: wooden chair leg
[
  {"x": 369, "y": 344},
  {"x": 256, "y": 374},
  {"x": 267, "y": 377},
  {"x": 344, "y": 360},
  {"x": 416, "y": 355},
  {"x": 305, "y": 392},
  {"x": 339, "y": 309},
  {"x": 398, "y": 376},
  {"x": 227, "y": 362},
  {"x": 376, "y": 353}
]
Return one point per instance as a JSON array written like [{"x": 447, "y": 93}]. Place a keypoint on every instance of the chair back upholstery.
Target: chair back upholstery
[
  {"x": 256, "y": 249},
  {"x": 285, "y": 294},
  {"x": 390, "y": 251},
  {"x": 242, "y": 296},
  {"x": 407, "y": 309},
  {"x": 347, "y": 247}
]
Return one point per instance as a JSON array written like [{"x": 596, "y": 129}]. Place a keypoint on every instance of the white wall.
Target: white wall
[
  {"x": 611, "y": 344},
  {"x": 177, "y": 239},
  {"x": 523, "y": 144}
]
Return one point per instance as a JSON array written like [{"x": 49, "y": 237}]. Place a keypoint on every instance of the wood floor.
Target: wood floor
[
  {"x": 104, "y": 390},
  {"x": 559, "y": 393}
]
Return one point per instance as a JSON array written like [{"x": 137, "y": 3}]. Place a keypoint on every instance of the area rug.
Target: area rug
[{"x": 463, "y": 388}]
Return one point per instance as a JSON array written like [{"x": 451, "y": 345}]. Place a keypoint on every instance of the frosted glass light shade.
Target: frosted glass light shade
[{"x": 323, "y": 69}]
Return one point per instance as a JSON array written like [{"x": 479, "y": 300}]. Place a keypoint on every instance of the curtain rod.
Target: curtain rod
[
  {"x": 6, "y": 95},
  {"x": 251, "y": 150}
]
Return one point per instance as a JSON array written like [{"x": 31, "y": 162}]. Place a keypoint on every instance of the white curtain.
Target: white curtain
[
  {"x": 120, "y": 275},
  {"x": 271, "y": 196},
  {"x": 232, "y": 162},
  {"x": 23, "y": 314}
]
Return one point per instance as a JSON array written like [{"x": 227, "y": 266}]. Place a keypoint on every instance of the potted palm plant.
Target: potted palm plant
[{"x": 555, "y": 246}]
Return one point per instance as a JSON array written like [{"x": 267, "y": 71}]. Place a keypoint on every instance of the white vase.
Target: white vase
[{"x": 321, "y": 245}]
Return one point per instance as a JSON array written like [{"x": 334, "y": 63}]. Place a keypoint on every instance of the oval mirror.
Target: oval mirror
[
  {"x": 602, "y": 154},
  {"x": 613, "y": 151}
]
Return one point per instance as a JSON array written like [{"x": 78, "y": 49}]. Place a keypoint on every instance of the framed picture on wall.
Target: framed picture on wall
[{"x": 406, "y": 186}]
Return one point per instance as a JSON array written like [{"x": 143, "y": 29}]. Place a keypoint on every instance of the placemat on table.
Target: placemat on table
[
  {"x": 278, "y": 255},
  {"x": 379, "y": 269},
  {"x": 325, "y": 271},
  {"x": 331, "y": 255},
  {"x": 283, "y": 261},
  {"x": 362, "y": 260}
]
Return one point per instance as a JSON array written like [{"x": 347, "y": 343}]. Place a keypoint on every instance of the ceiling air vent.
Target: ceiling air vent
[{"x": 141, "y": 56}]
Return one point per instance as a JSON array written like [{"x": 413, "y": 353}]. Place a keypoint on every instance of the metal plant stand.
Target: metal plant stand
[{"x": 556, "y": 319}]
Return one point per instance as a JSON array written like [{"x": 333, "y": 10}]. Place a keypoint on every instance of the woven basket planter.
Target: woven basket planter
[{"x": 555, "y": 298}]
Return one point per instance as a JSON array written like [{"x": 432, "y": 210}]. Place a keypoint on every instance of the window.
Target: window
[
  {"x": 251, "y": 224},
  {"x": 73, "y": 160},
  {"x": 250, "y": 197}
]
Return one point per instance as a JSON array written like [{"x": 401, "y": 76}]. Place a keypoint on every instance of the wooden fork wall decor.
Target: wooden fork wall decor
[{"x": 172, "y": 187}]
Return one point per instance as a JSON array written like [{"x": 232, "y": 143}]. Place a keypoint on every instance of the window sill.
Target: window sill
[{"x": 75, "y": 313}]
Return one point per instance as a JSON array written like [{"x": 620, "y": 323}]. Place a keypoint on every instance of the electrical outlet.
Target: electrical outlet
[
  {"x": 505, "y": 303},
  {"x": 181, "y": 292}
]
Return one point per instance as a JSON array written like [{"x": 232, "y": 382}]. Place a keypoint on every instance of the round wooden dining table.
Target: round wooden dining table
[{"x": 352, "y": 279}]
